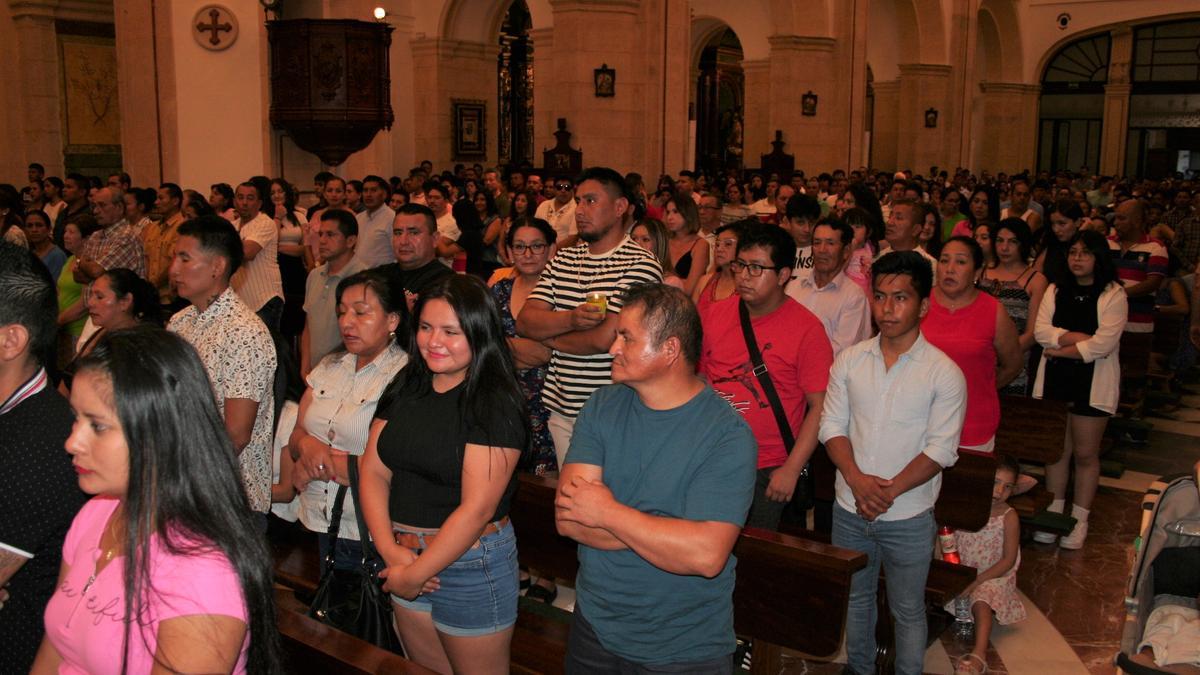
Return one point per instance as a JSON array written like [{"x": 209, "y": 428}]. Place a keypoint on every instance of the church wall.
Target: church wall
[
  {"x": 16, "y": 155},
  {"x": 222, "y": 99}
]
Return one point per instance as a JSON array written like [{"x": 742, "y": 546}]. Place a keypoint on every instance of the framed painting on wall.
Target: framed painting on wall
[{"x": 470, "y": 129}]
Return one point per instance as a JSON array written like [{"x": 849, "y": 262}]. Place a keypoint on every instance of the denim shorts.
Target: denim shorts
[{"x": 478, "y": 594}]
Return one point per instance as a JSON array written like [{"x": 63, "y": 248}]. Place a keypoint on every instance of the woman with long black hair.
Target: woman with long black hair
[
  {"x": 164, "y": 569},
  {"x": 438, "y": 479}
]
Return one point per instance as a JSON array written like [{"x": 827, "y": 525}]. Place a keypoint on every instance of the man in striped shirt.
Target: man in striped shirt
[
  {"x": 1141, "y": 264},
  {"x": 580, "y": 334}
]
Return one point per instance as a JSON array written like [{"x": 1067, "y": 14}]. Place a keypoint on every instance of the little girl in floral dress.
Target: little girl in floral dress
[{"x": 995, "y": 553}]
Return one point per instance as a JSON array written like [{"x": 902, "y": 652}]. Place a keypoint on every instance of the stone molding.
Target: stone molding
[
  {"x": 1014, "y": 88},
  {"x": 609, "y": 6},
  {"x": 925, "y": 69},
  {"x": 70, "y": 10},
  {"x": 449, "y": 49},
  {"x": 801, "y": 43}
]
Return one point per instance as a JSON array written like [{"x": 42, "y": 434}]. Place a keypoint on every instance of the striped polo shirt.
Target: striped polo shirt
[
  {"x": 571, "y": 275},
  {"x": 1141, "y": 261}
]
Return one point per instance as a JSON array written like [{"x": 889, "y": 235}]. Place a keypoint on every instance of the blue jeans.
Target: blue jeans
[
  {"x": 478, "y": 594},
  {"x": 904, "y": 547}
]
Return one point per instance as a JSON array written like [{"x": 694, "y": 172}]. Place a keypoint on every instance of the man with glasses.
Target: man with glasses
[
  {"x": 560, "y": 211},
  {"x": 796, "y": 354},
  {"x": 114, "y": 245}
]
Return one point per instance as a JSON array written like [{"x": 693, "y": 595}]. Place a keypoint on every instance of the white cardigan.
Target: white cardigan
[{"x": 1112, "y": 309}]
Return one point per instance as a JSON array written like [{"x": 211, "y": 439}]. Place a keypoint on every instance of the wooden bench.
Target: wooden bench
[
  {"x": 312, "y": 648},
  {"x": 1032, "y": 431}
]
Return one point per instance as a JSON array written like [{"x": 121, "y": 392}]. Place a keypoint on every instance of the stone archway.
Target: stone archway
[{"x": 720, "y": 103}]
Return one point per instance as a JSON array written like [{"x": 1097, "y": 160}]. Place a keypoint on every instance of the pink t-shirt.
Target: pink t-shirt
[
  {"x": 797, "y": 354},
  {"x": 968, "y": 337},
  {"x": 87, "y": 627}
]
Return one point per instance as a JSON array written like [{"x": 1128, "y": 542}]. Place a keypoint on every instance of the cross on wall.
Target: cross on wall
[{"x": 214, "y": 27}]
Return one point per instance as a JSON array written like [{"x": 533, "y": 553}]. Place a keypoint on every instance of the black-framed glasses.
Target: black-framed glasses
[
  {"x": 537, "y": 249},
  {"x": 753, "y": 269}
]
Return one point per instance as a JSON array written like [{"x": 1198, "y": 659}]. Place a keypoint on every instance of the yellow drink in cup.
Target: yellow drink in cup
[{"x": 599, "y": 301}]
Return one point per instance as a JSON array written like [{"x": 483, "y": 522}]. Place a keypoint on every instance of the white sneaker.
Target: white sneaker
[
  {"x": 1074, "y": 541},
  {"x": 1045, "y": 537}
]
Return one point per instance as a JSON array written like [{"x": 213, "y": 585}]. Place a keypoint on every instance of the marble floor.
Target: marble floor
[{"x": 1075, "y": 599}]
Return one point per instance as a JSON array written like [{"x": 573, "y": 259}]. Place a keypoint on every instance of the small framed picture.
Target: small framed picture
[
  {"x": 606, "y": 81},
  {"x": 470, "y": 129}
]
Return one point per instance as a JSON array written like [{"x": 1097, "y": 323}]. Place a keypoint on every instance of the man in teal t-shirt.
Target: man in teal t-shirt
[{"x": 655, "y": 488}]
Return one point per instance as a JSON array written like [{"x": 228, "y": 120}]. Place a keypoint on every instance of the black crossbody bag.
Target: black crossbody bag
[
  {"x": 354, "y": 601},
  {"x": 802, "y": 496}
]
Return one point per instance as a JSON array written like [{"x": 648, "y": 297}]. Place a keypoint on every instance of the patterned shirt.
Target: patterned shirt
[
  {"x": 116, "y": 246},
  {"x": 238, "y": 354},
  {"x": 1186, "y": 244},
  {"x": 570, "y": 276},
  {"x": 1145, "y": 259}
]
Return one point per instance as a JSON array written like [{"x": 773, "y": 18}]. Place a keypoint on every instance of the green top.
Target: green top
[
  {"x": 69, "y": 293},
  {"x": 949, "y": 223}
]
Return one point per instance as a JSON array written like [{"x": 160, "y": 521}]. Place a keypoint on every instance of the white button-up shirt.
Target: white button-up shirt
[
  {"x": 891, "y": 416},
  {"x": 374, "y": 247},
  {"x": 841, "y": 305},
  {"x": 258, "y": 280},
  {"x": 341, "y": 406}
]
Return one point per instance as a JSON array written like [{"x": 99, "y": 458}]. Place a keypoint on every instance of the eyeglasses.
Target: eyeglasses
[
  {"x": 753, "y": 269},
  {"x": 562, "y": 186},
  {"x": 537, "y": 249},
  {"x": 706, "y": 207}
]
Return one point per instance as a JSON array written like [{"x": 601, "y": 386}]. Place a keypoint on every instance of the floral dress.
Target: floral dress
[
  {"x": 981, "y": 550},
  {"x": 541, "y": 457}
]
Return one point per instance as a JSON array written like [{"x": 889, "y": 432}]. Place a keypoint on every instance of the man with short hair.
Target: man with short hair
[
  {"x": 319, "y": 181},
  {"x": 42, "y": 492},
  {"x": 234, "y": 346},
  {"x": 685, "y": 185},
  {"x": 114, "y": 245},
  {"x": 52, "y": 188},
  {"x": 828, "y": 293},
  {"x": 655, "y": 490},
  {"x": 159, "y": 237},
  {"x": 892, "y": 417},
  {"x": 337, "y": 238},
  {"x": 783, "y": 195},
  {"x": 796, "y": 356},
  {"x": 902, "y": 231},
  {"x": 1020, "y": 206},
  {"x": 579, "y": 333},
  {"x": 448, "y": 233},
  {"x": 491, "y": 183},
  {"x": 414, "y": 241},
  {"x": 710, "y": 215},
  {"x": 1141, "y": 264},
  {"x": 766, "y": 206},
  {"x": 802, "y": 213},
  {"x": 35, "y": 172},
  {"x": 258, "y": 283},
  {"x": 516, "y": 181},
  {"x": 560, "y": 211},
  {"x": 374, "y": 247},
  {"x": 77, "y": 209},
  {"x": 533, "y": 183},
  {"x": 120, "y": 180}
]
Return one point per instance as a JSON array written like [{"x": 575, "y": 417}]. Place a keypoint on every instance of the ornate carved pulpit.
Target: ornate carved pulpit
[
  {"x": 330, "y": 83},
  {"x": 562, "y": 160}
]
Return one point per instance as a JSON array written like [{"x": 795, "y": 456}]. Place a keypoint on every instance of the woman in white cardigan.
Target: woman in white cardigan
[{"x": 1079, "y": 325}]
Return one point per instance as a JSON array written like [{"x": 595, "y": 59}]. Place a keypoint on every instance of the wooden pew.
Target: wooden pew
[
  {"x": 790, "y": 592},
  {"x": 1032, "y": 431},
  {"x": 312, "y": 648}
]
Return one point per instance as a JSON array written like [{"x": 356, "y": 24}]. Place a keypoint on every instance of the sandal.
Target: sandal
[
  {"x": 966, "y": 665},
  {"x": 540, "y": 592}
]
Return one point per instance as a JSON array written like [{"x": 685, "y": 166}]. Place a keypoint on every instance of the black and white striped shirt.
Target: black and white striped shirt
[{"x": 571, "y": 275}]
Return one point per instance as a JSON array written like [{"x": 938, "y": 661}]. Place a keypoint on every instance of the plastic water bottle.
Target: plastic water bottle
[{"x": 964, "y": 624}]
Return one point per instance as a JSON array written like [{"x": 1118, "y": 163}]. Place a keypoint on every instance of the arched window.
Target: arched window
[
  {"x": 1072, "y": 105},
  {"x": 515, "y": 86},
  {"x": 1164, "y": 107}
]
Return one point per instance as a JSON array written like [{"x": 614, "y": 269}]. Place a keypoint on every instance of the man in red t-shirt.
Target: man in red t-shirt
[{"x": 797, "y": 355}]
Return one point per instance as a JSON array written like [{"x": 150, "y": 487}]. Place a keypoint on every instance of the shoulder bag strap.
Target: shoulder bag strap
[
  {"x": 335, "y": 524},
  {"x": 764, "y": 379},
  {"x": 364, "y": 535}
]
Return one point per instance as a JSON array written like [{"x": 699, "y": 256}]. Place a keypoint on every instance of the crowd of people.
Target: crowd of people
[{"x": 674, "y": 356}]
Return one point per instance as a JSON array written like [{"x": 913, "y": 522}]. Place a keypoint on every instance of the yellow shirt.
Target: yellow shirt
[{"x": 159, "y": 241}]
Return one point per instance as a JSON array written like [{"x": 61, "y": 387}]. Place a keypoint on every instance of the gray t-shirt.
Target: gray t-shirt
[
  {"x": 320, "y": 306},
  {"x": 695, "y": 462}
]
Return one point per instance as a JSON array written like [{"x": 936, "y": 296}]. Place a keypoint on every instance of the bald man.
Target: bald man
[{"x": 1141, "y": 263}]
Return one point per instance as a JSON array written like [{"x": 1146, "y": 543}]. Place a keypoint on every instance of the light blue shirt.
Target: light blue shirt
[{"x": 891, "y": 416}]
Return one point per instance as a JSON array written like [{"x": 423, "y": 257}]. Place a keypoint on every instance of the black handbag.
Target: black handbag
[
  {"x": 354, "y": 601},
  {"x": 802, "y": 496}
]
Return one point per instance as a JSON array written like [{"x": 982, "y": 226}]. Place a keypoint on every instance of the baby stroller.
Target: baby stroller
[{"x": 1165, "y": 580}]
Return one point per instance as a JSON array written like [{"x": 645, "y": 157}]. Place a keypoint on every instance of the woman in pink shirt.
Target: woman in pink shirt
[
  {"x": 974, "y": 330},
  {"x": 163, "y": 570}
]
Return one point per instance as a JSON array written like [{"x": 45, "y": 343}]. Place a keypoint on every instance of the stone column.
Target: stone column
[
  {"x": 756, "y": 130},
  {"x": 1115, "y": 134},
  {"x": 922, "y": 86},
  {"x": 885, "y": 130},
  {"x": 444, "y": 70},
  {"x": 144, "y": 83},
  {"x": 1007, "y": 139},
  {"x": 40, "y": 107},
  {"x": 798, "y": 65}
]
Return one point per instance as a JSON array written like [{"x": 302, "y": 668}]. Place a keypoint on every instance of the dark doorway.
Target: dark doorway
[
  {"x": 515, "y": 86},
  {"x": 720, "y": 99}
]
